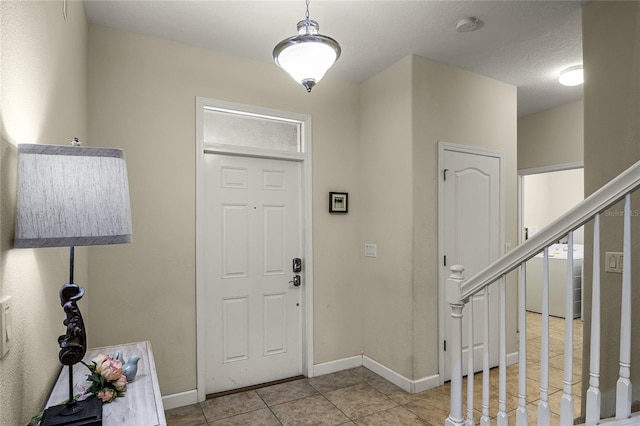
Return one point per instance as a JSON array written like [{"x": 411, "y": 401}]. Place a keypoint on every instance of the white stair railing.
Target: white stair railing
[{"x": 459, "y": 292}]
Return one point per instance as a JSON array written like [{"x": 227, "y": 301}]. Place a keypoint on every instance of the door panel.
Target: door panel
[
  {"x": 253, "y": 231},
  {"x": 472, "y": 226}
]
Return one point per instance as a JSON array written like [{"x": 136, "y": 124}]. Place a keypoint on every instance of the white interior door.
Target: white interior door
[
  {"x": 471, "y": 232},
  {"x": 253, "y": 314}
]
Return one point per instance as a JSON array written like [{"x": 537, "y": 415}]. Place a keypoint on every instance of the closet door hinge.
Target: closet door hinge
[
  {"x": 444, "y": 174},
  {"x": 445, "y": 345}
]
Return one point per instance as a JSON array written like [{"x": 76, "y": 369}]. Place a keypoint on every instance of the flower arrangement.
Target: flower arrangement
[{"x": 107, "y": 380}]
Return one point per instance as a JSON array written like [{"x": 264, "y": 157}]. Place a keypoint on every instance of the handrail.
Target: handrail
[{"x": 614, "y": 191}]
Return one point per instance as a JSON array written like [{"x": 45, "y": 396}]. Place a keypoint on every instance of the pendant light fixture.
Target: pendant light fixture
[{"x": 308, "y": 55}]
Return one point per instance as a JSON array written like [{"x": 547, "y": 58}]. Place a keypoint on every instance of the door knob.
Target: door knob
[{"x": 296, "y": 281}]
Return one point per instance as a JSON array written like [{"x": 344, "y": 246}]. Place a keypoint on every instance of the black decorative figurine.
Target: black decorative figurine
[{"x": 73, "y": 347}]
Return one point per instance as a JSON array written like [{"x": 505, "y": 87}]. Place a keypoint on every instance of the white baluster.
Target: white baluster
[
  {"x": 623, "y": 388},
  {"x": 544, "y": 413},
  {"x": 485, "y": 420},
  {"x": 453, "y": 297},
  {"x": 502, "y": 392},
  {"x": 470, "y": 365},
  {"x": 521, "y": 413},
  {"x": 593, "y": 393},
  {"x": 566, "y": 403}
]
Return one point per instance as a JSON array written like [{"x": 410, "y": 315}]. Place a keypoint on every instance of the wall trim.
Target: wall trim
[
  {"x": 411, "y": 386},
  {"x": 512, "y": 358},
  {"x": 551, "y": 168},
  {"x": 408, "y": 385},
  {"x": 180, "y": 399},
  {"x": 336, "y": 365}
]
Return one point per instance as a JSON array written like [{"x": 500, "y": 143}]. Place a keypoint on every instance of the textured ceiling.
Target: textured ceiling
[{"x": 524, "y": 43}]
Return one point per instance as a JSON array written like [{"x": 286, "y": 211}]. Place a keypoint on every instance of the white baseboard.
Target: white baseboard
[
  {"x": 512, "y": 358},
  {"x": 179, "y": 399},
  {"x": 337, "y": 365},
  {"x": 408, "y": 385},
  {"x": 426, "y": 383},
  {"x": 387, "y": 373}
]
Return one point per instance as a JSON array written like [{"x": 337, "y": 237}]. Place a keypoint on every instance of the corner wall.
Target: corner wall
[
  {"x": 386, "y": 116},
  {"x": 456, "y": 106},
  {"x": 611, "y": 43},
  {"x": 405, "y": 111},
  {"x": 43, "y": 97}
]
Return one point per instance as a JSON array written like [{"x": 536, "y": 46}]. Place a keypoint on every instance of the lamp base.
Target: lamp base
[{"x": 83, "y": 413}]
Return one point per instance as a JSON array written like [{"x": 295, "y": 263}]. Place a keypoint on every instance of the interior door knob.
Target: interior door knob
[{"x": 295, "y": 281}]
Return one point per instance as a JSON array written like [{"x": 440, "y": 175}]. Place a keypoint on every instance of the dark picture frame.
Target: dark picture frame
[{"x": 338, "y": 202}]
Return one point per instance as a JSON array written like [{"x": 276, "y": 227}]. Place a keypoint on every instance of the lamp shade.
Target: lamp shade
[{"x": 71, "y": 196}]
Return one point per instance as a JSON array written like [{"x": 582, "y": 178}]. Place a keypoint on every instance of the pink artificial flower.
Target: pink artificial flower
[
  {"x": 99, "y": 360},
  {"x": 107, "y": 395},
  {"x": 111, "y": 369},
  {"x": 121, "y": 383}
]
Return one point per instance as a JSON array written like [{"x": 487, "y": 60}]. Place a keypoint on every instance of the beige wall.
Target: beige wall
[
  {"x": 142, "y": 98},
  {"x": 549, "y": 195},
  {"x": 43, "y": 97},
  {"x": 455, "y": 106},
  {"x": 405, "y": 111},
  {"x": 611, "y": 44},
  {"x": 387, "y": 190},
  {"x": 551, "y": 137}
]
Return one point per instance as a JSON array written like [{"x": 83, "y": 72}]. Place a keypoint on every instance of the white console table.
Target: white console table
[{"x": 142, "y": 403}]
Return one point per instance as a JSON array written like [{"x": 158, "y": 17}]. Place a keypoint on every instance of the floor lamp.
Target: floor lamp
[{"x": 71, "y": 196}]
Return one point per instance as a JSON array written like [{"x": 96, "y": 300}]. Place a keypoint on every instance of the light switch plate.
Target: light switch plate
[
  {"x": 613, "y": 262},
  {"x": 6, "y": 326},
  {"x": 370, "y": 250}
]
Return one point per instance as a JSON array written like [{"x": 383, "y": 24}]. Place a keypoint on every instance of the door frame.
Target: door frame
[
  {"x": 304, "y": 158},
  {"x": 443, "y": 307}
]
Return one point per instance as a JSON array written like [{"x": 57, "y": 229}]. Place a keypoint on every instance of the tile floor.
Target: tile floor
[{"x": 360, "y": 397}]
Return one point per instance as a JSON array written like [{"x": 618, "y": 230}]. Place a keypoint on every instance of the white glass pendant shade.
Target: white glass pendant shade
[{"x": 307, "y": 56}]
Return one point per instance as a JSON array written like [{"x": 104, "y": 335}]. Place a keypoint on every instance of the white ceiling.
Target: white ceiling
[{"x": 524, "y": 43}]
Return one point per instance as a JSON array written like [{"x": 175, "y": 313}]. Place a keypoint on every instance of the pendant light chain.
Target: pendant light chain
[{"x": 307, "y": 55}]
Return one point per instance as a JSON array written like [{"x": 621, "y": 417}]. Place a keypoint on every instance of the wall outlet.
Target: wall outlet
[{"x": 6, "y": 326}]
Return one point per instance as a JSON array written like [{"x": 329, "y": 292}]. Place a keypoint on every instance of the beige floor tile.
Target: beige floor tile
[
  {"x": 392, "y": 391},
  {"x": 262, "y": 417},
  {"x": 312, "y": 411},
  {"x": 397, "y": 416},
  {"x": 285, "y": 392},
  {"x": 360, "y": 400},
  {"x": 231, "y": 405},
  {"x": 432, "y": 412},
  {"x": 333, "y": 381},
  {"x": 363, "y": 373},
  {"x": 190, "y": 415}
]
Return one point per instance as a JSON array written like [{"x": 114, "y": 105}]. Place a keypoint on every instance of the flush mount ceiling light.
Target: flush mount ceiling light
[
  {"x": 308, "y": 55},
  {"x": 572, "y": 76}
]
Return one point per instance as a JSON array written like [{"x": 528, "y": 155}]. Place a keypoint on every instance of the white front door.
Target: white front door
[
  {"x": 471, "y": 234},
  {"x": 253, "y": 312}
]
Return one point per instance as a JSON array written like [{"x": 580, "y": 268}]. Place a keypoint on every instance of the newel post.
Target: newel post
[{"x": 455, "y": 345}]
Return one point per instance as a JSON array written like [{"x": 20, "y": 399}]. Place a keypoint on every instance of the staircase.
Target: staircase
[{"x": 460, "y": 290}]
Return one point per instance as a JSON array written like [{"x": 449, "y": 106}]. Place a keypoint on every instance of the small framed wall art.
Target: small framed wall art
[{"x": 338, "y": 202}]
